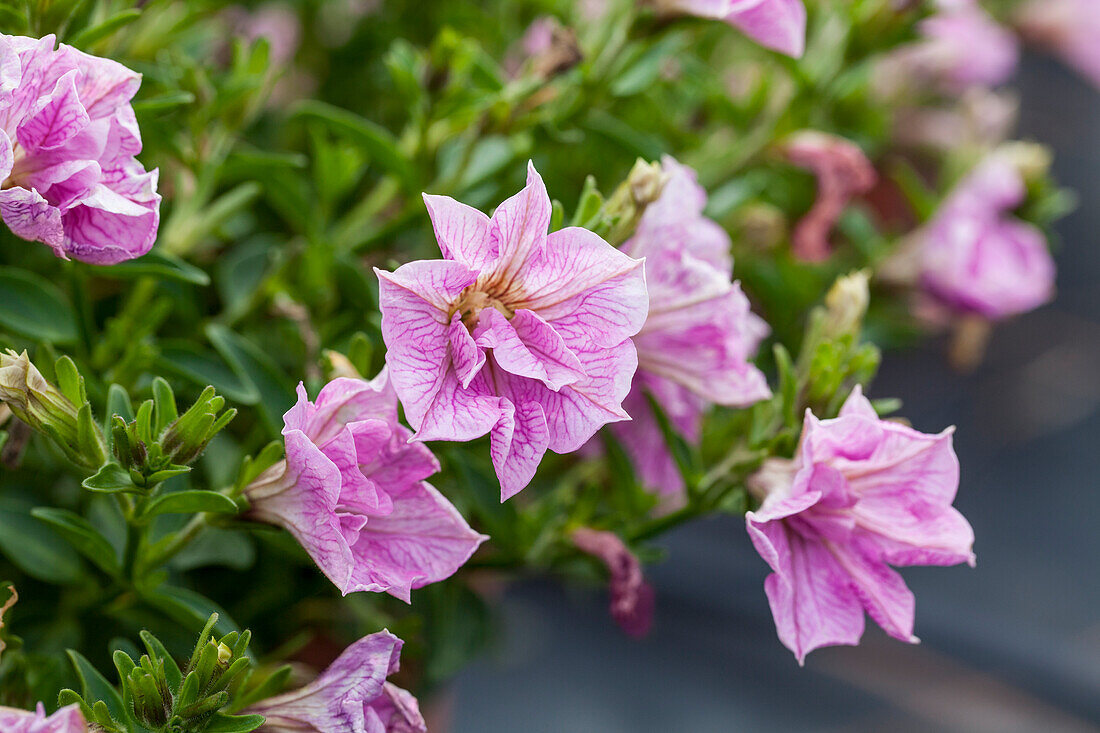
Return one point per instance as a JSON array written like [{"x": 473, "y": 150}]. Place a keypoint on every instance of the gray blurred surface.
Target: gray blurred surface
[{"x": 1012, "y": 646}]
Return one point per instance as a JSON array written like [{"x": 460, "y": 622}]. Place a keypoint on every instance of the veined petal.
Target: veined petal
[
  {"x": 395, "y": 711},
  {"x": 337, "y": 698},
  {"x": 462, "y": 232},
  {"x": 576, "y": 412},
  {"x": 517, "y": 444},
  {"x": 30, "y": 216},
  {"x": 643, "y": 441},
  {"x": 104, "y": 85},
  {"x": 518, "y": 228},
  {"x": 466, "y": 356},
  {"x": 57, "y": 118},
  {"x": 415, "y": 302},
  {"x": 460, "y": 413},
  {"x": 303, "y": 500},
  {"x": 810, "y": 595},
  {"x": 107, "y": 227},
  {"x": 881, "y": 590},
  {"x": 587, "y": 289},
  {"x": 424, "y": 540},
  {"x": 528, "y": 346}
]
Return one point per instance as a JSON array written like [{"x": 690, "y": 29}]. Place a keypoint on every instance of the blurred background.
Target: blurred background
[{"x": 1011, "y": 646}]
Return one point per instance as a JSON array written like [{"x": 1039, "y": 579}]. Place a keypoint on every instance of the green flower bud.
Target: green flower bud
[{"x": 43, "y": 407}]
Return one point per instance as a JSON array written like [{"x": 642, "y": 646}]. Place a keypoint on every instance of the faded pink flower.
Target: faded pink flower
[
  {"x": 632, "y": 598},
  {"x": 68, "y": 138},
  {"x": 861, "y": 494},
  {"x": 963, "y": 46},
  {"x": 977, "y": 258},
  {"x": 352, "y": 492},
  {"x": 695, "y": 346},
  {"x": 351, "y": 695},
  {"x": 843, "y": 172},
  {"x": 1069, "y": 28},
  {"x": 776, "y": 24},
  {"x": 65, "y": 720},
  {"x": 516, "y": 333}
]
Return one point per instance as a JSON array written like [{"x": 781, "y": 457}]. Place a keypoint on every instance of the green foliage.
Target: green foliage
[
  {"x": 286, "y": 176},
  {"x": 156, "y": 694}
]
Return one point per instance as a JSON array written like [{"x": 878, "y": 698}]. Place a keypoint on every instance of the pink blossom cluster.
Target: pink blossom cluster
[
  {"x": 695, "y": 347},
  {"x": 351, "y": 490},
  {"x": 861, "y": 494},
  {"x": 351, "y": 695},
  {"x": 68, "y": 138},
  {"x": 976, "y": 257}
]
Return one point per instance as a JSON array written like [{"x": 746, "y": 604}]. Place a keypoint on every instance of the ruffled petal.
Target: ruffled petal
[
  {"x": 586, "y": 289},
  {"x": 527, "y": 346},
  {"x": 422, "y": 541}
]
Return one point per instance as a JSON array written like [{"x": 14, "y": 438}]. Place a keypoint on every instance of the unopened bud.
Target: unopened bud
[
  {"x": 339, "y": 365},
  {"x": 762, "y": 226},
  {"x": 624, "y": 209},
  {"x": 31, "y": 398},
  {"x": 43, "y": 407},
  {"x": 1032, "y": 160},
  {"x": 846, "y": 304},
  {"x": 646, "y": 181},
  {"x": 225, "y": 655}
]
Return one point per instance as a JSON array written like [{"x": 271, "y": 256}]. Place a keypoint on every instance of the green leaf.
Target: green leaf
[
  {"x": 456, "y": 628},
  {"x": 222, "y": 723},
  {"x": 204, "y": 368},
  {"x": 252, "y": 365},
  {"x": 190, "y": 609},
  {"x": 163, "y": 102},
  {"x": 32, "y": 306},
  {"x": 156, "y": 650},
  {"x": 378, "y": 142},
  {"x": 36, "y": 550},
  {"x": 157, "y": 264},
  {"x": 190, "y": 502},
  {"x": 98, "y": 32},
  {"x": 644, "y": 72},
  {"x": 95, "y": 686},
  {"x": 82, "y": 536},
  {"x": 111, "y": 479}
]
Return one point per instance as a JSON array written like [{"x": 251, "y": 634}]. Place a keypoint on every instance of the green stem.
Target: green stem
[{"x": 176, "y": 544}]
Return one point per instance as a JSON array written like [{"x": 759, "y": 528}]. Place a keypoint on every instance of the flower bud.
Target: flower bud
[
  {"x": 187, "y": 437},
  {"x": 339, "y": 366},
  {"x": 43, "y": 407},
  {"x": 624, "y": 209},
  {"x": 846, "y": 304},
  {"x": 1032, "y": 160}
]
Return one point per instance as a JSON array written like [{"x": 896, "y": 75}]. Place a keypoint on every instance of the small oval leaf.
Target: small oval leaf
[
  {"x": 191, "y": 502},
  {"x": 32, "y": 306}
]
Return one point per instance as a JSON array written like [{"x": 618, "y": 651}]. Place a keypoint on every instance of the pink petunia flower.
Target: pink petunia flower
[
  {"x": 65, "y": 720},
  {"x": 516, "y": 333},
  {"x": 776, "y": 24},
  {"x": 68, "y": 138},
  {"x": 352, "y": 492},
  {"x": 843, "y": 172},
  {"x": 695, "y": 346},
  {"x": 963, "y": 46},
  {"x": 1069, "y": 28},
  {"x": 350, "y": 695},
  {"x": 976, "y": 258},
  {"x": 862, "y": 494},
  {"x": 632, "y": 598}
]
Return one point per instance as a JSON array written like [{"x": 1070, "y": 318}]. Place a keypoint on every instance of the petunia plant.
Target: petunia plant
[{"x": 349, "y": 313}]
